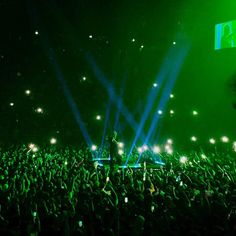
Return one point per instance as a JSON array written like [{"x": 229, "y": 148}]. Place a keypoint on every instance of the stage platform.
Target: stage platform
[{"x": 106, "y": 162}]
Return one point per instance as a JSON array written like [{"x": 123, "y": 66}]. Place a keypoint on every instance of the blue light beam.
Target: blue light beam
[
  {"x": 117, "y": 100},
  {"x": 173, "y": 75},
  {"x": 69, "y": 98}
]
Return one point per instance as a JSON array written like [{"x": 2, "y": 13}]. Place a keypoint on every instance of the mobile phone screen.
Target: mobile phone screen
[
  {"x": 80, "y": 223},
  {"x": 152, "y": 208}
]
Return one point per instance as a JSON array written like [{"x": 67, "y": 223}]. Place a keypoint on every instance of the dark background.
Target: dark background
[{"x": 36, "y": 62}]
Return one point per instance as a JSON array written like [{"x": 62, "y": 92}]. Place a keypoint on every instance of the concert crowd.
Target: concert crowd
[{"x": 63, "y": 192}]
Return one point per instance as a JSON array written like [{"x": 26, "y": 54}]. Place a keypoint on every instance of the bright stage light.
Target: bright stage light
[
  {"x": 35, "y": 149},
  {"x": 94, "y": 147},
  {"x": 145, "y": 147},
  {"x": 120, "y": 145},
  {"x": 174, "y": 43},
  {"x": 53, "y": 141},
  {"x": 84, "y": 78},
  {"x": 212, "y": 140},
  {"x": 140, "y": 150},
  {"x": 133, "y": 40},
  {"x": 27, "y": 92},
  {"x": 225, "y": 139},
  {"x": 172, "y": 112},
  {"x": 156, "y": 149},
  {"x": 66, "y": 163},
  {"x": 120, "y": 152},
  {"x": 141, "y": 47},
  {"x": 172, "y": 96},
  {"x": 169, "y": 141},
  {"x": 183, "y": 159},
  {"x": 90, "y": 36},
  {"x": 193, "y": 138},
  {"x": 36, "y": 32},
  {"x": 195, "y": 113},
  {"x": 169, "y": 151},
  {"x": 167, "y": 146},
  {"x": 39, "y": 110},
  {"x": 11, "y": 104},
  {"x": 31, "y": 145},
  {"x": 155, "y": 85},
  {"x": 98, "y": 117},
  {"x": 160, "y": 112}
]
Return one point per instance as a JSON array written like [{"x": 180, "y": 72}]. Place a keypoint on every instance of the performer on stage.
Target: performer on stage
[{"x": 114, "y": 156}]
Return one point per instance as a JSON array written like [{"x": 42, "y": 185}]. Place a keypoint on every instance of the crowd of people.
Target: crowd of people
[{"x": 63, "y": 192}]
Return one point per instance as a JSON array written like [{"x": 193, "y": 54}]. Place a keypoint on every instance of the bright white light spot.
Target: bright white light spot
[
  {"x": 120, "y": 152},
  {"x": 39, "y": 110},
  {"x": 193, "y": 138},
  {"x": 133, "y": 40},
  {"x": 98, "y": 117},
  {"x": 174, "y": 43},
  {"x": 53, "y": 141},
  {"x": 120, "y": 145},
  {"x": 35, "y": 149},
  {"x": 31, "y": 145},
  {"x": 155, "y": 85},
  {"x": 203, "y": 156},
  {"x": 36, "y": 32},
  {"x": 160, "y": 112},
  {"x": 172, "y": 96},
  {"x": 167, "y": 147},
  {"x": 145, "y": 147},
  {"x": 169, "y": 151},
  {"x": 94, "y": 147},
  {"x": 225, "y": 139},
  {"x": 66, "y": 163},
  {"x": 172, "y": 112},
  {"x": 140, "y": 150},
  {"x": 11, "y": 104},
  {"x": 195, "y": 113},
  {"x": 183, "y": 159},
  {"x": 27, "y": 92},
  {"x": 156, "y": 149},
  {"x": 90, "y": 36},
  {"x": 169, "y": 141},
  {"x": 212, "y": 140},
  {"x": 84, "y": 78},
  {"x": 141, "y": 47}
]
